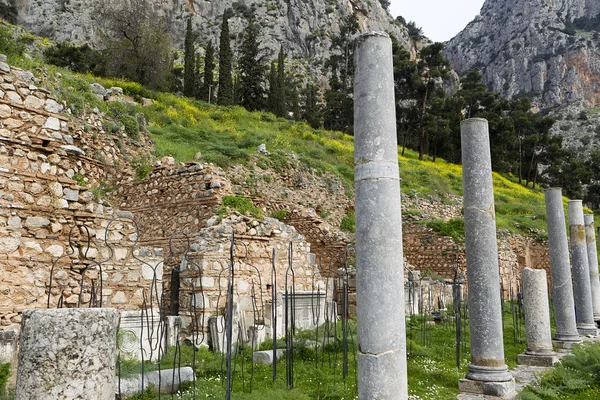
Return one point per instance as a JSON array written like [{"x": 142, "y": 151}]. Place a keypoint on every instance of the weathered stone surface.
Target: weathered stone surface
[
  {"x": 55, "y": 250},
  {"x": 55, "y": 189},
  {"x": 5, "y": 111},
  {"x": 562, "y": 287},
  {"x": 592, "y": 251},
  {"x": 36, "y": 222},
  {"x": 53, "y": 107},
  {"x": 67, "y": 354},
  {"x": 132, "y": 385},
  {"x": 266, "y": 356},
  {"x": 71, "y": 194},
  {"x": 9, "y": 244},
  {"x": 52, "y": 123},
  {"x": 485, "y": 312},
  {"x": 381, "y": 330},
  {"x": 584, "y": 314},
  {"x": 537, "y": 315},
  {"x": 34, "y": 102}
]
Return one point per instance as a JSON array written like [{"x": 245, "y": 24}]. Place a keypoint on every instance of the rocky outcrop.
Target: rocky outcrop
[
  {"x": 538, "y": 48},
  {"x": 304, "y": 27}
]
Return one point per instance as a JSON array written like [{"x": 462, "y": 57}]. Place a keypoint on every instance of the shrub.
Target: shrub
[
  {"x": 243, "y": 205},
  {"x": 455, "y": 228},
  {"x": 348, "y": 223},
  {"x": 131, "y": 125},
  {"x": 4, "y": 375},
  {"x": 279, "y": 214}
]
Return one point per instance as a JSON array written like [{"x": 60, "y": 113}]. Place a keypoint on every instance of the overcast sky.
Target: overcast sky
[{"x": 441, "y": 20}]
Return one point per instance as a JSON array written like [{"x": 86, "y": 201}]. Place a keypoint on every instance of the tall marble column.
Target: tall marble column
[
  {"x": 592, "y": 251},
  {"x": 584, "y": 314},
  {"x": 488, "y": 374},
  {"x": 562, "y": 285},
  {"x": 379, "y": 257}
]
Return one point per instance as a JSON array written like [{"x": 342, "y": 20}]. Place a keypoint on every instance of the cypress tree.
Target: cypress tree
[
  {"x": 281, "y": 105},
  {"x": 273, "y": 99},
  {"x": 209, "y": 78},
  {"x": 225, "y": 97},
  {"x": 189, "y": 74},
  {"x": 252, "y": 92}
]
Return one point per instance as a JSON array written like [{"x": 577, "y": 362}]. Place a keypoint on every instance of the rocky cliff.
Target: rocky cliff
[
  {"x": 303, "y": 26},
  {"x": 547, "y": 49}
]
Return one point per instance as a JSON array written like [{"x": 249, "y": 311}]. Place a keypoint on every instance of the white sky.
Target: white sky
[{"x": 441, "y": 20}]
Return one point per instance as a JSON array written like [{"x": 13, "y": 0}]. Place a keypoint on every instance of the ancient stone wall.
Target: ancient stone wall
[
  {"x": 173, "y": 199},
  {"x": 50, "y": 167},
  {"x": 203, "y": 279}
]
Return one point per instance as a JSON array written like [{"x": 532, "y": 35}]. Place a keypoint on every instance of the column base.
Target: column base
[
  {"x": 502, "y": 390},
  {"x": 538, "y": 360},
  {"x": 489, "y": 374},
  {"x": 565, "y": 341},
  {"x": 587, "y": 329}
]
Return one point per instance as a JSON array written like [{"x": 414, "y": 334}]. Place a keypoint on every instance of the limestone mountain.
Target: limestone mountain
[
  {"x": 304, "y": 27},
  {"x": 546, "y": 49}
]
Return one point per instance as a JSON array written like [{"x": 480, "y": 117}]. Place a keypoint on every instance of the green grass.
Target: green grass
[{"x": 577, "y": 377}]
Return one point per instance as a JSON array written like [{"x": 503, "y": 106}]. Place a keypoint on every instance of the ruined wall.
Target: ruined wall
[
  {"x": 50, "y": 167},
  {"x": 173, "y": 199},
  {"x": 204, "y": 277}
]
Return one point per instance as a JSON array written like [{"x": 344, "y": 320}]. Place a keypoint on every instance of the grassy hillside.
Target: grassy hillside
[{"x": 182, "y": 127}]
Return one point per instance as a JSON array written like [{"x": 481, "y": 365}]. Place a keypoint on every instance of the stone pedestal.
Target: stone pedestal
[
  {"x": 539, "y": 351},
  {"x": 582, "y": 290},
  {"x": 379, "y": 270},
  {"x": 67, "y": 354},
  {"x": 487, "y": 370},
  {"x": 562, "y": 287},
  {"x": 590, "y": 240}
]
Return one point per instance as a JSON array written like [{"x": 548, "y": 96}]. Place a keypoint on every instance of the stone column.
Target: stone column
[
  {"x": 584, "y": 314},
  {"x": 539, "y": 351},
  {"x": 67, "y": 353},
  {"x": 592, "y": 251},
  {"x": 487, "y": 374},
  {"x": 562, "y": 285},
  {"x": 379, "y": 257}
]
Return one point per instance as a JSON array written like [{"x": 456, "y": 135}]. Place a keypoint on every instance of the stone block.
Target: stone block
[
  {"x": 266, "y": 357},
  {"x": 167, "y": 380},
  {"x": 503, "y": 390},
  {"x": 78, "y": 344},
  {"x": 5, "y": 111},
  {"x": 52, "y": 123},
  {"x": 36, "y": 222},
  {"x": 71, "y": 195},
  {"x": 537, "y": 360},
  {"x": 34, "y": 102}
]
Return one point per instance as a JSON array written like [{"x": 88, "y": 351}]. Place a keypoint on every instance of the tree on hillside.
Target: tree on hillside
[
  {"x": 207, "y": 88},
  {"x": 311, "y": 111},
  {"x": 225, "y": 94},
  {"x": 385, "y": 4},
  {"x": 189, "y": 73},
  {"x": 273, "y": 95},
  {"x": 281, "y": 108},
  {"x": 136, "y": 41},
  {"x": 339, "y": 114},
  {"x": 474, "y": 93},
  {"x": 434, "y": 66},
  {"x": 251, "y": 69}
]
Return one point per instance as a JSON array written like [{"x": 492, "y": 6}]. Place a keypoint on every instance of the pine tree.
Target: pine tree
[
  {"x": 251, "y": 69},
  {"x": 225, "y": 97},
  {"x": 189, "y": 73},
  {"x": 280, "y": 111},
  {"x": 207, "y": 89}
]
